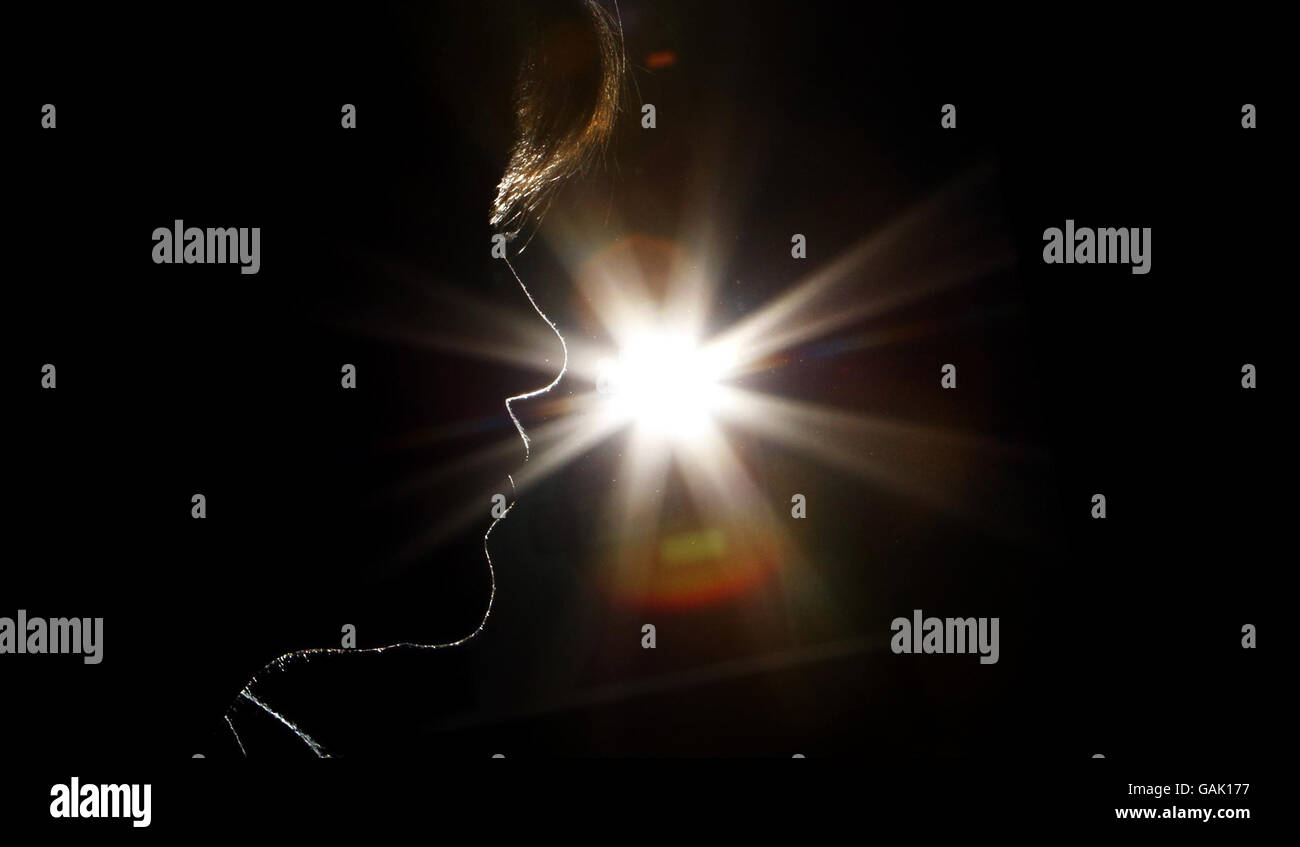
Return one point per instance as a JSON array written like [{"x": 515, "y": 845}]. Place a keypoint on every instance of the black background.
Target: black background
[{"x": 1119, "y": 636}]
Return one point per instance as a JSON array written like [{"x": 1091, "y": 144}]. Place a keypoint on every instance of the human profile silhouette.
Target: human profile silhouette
[{"x": 550, "y": 123}]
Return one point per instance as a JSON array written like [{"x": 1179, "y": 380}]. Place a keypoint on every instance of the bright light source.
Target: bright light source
[{"x": 664, "y": 383}]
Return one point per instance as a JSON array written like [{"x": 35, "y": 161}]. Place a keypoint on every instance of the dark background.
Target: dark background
[{"x": 1119, "y": 636}]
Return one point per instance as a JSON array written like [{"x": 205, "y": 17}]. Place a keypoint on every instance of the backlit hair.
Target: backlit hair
[{"x": 566, "y": 99}]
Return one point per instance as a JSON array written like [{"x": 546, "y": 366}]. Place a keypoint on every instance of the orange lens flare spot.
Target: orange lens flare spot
[
  {"x": 691, "y": 569},
  {"x": 661, "y": 59}
]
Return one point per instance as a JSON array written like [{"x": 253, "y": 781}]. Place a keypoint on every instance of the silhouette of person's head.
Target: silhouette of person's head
[
  {"x": 493, "y": 112},
  {"x": 379, "y": 155}
]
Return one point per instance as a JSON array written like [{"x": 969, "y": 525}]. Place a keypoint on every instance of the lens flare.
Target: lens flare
[
  {"x": 665, "y": 384},
  {"x": 685, "y": 522}
]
